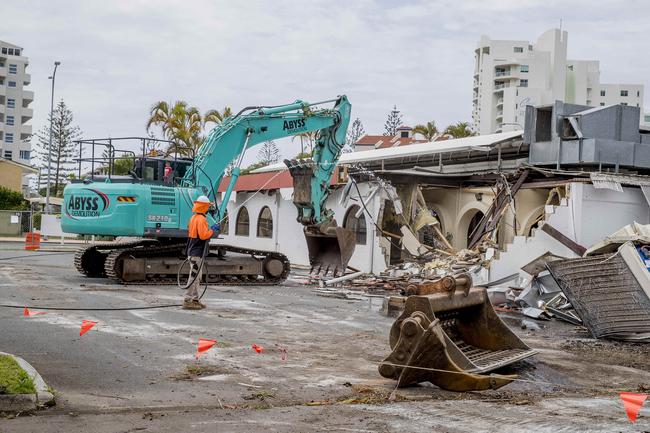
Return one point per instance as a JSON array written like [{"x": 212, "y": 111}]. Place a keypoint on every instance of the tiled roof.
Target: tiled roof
[
  {"x": 255, "y": 181},
  {"x": 265, "y": 181}
]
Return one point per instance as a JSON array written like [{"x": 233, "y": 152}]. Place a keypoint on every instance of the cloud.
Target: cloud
[{"x": 119, "y": 57}]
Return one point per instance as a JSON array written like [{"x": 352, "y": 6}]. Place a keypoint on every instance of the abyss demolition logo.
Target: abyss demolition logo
[
  {"x": 293, "y": 124},
  {"x": 85, "y": 206}
]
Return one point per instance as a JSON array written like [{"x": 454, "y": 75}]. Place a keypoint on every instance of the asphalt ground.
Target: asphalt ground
[{"x": 136, "y": 370}]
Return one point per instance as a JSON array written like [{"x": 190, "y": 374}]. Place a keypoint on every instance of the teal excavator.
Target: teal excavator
[{"x": 152, "y": 211}]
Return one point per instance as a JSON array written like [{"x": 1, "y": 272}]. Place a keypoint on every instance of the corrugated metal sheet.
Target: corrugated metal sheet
[{"x": 606, "y": 296}]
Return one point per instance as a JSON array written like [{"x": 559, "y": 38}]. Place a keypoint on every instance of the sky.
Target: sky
[{"x": 118, "y": 57}]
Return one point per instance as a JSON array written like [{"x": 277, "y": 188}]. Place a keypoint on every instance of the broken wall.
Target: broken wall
[{"x": 456, "y": 208}]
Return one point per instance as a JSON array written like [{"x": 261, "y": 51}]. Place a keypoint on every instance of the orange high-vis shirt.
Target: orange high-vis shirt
[{"x": 198, "y": 227}]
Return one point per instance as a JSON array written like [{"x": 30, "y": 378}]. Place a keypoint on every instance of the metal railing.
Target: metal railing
[{"x": 102, "y": 163}]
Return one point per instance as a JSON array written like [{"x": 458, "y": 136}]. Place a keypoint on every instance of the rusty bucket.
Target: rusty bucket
[{"x": 330, "y": 252}]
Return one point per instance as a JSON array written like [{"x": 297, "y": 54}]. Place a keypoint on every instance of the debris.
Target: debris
[
  {"x": 347, "y": 277},
  {"x": 563, "y": 239},
  {"x": 615, "y": 306},
  {"x": 535, "y": 313}
]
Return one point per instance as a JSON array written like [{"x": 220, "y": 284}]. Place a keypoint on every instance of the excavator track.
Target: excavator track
[
  {"x": 113, "y": 256},
  {"x": 90, "y": 259}
]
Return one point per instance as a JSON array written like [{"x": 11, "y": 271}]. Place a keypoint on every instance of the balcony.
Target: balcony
[
  {"x": 500, "y": 86},
  {"x": 3, "y": 71},
  {"x": 500, "y": 102},
  {"x": 26, "y": 113},
  {"x": 28, "y": 95},
  {"x": 27, "y": 80}
]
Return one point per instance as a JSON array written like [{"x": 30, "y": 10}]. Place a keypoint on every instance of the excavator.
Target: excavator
[{"x": 153, "y": 212}]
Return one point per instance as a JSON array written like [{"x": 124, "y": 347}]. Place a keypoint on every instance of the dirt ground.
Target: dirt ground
[{"x": 136, "y": 371}]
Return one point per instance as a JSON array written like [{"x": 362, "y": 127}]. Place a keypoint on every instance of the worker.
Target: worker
[
  {"x": 198, "y": 235},
  {"x": 167, "y": 174}
]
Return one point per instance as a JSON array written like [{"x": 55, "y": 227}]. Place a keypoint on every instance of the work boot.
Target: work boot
[
  {"x": 189, "y": 304},
  {"x": 199, "y": 303}
]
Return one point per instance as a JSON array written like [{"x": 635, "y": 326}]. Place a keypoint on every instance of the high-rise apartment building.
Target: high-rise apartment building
[
  {"x": 508, "y": 75},
  {"x": 15, "y": 100}
]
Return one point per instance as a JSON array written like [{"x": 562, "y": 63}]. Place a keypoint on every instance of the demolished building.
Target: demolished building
[{"x": 574, "y": 175}]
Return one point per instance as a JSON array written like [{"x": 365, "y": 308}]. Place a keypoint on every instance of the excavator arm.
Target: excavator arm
[{"x": 330, "y": 247}]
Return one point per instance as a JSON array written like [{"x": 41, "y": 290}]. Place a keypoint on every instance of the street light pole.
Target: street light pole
[{"x": 49, "y": 149}]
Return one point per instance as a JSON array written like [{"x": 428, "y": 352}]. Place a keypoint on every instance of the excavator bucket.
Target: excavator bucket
[
  {"x": 330, "y": 247},
  {"x": 451, "y": 338},
  {"x": 330, "y": 252}
]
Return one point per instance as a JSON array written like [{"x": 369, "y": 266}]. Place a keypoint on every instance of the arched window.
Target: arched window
[
  {"x": 357, "y": 225},
  {"x": 225, "y": 224},
  {"x": 473, "y": 225},
  {"x": 265, "y": 223},
  {"x": 243, "y": 222}
]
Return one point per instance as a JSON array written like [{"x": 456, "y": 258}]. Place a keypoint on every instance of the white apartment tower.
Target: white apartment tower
[
  {"x": 15, "y": 100},
  {"x": 508, "y": 75}
]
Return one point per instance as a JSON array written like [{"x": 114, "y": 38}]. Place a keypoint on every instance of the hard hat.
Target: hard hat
[{"x": 202, "y": 199}]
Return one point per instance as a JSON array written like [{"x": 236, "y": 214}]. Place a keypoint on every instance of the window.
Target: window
[
  {"x": 570, "y": 67},
  {"x": 523, "y": 83},
  {"x": 13, "y": 69},
  {"x": 2, "y": 81},
  {"x": 11, "y": 103},
  {"x": 602, "y": 104},
  {"x": 519, "y": 49},
  {"x": 8, "y": 154},
  {"x": 638, "y": 93},
  {"x": 10, "y": 120},
  {"x": 4, "y": 50},
  {"x": 24, "y": 154},
  {"x": 225, "y": 224},
  {"x": 243, "y": 222},
  {"x": 11, "y": 83},
  {"x": 623, "y": 92},
  {"x": 9, "y": 137},
  {"x": 602, "y": 93},
  {"x": 623, "y": 103},
  {"x": 357, "y": 225},
  {"x": 17, "y": 52},
  {"x": 523, "y": 68},
  {"x": 265, "y": 223}
]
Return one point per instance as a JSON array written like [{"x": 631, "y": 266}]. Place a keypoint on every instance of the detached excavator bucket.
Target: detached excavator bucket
[
  {"x": 329, "y": 253},
  {"x": 449, "y": 339}
]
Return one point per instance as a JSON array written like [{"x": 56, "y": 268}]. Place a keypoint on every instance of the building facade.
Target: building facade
[
  {"x": 15, "y": 104},
  {"x": 509, "y": 75}
]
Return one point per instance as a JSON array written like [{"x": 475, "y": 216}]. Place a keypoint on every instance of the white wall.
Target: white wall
[
  {"x": 587, "y": 217},
  {"x": 600, "y": 212},
  {"x": 288, "y": 237}
]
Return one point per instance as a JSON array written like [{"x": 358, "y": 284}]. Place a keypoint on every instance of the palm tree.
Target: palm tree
[
  {"x": 429, "y": 131},
  {"x": 459, "y": 130},
  {"x": 182, "y": 124},
  {"x": 310, "y": 137},
  {"x": 216, "y": 116}
]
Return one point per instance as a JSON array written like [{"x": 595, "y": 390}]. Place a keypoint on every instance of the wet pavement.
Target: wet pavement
[{"x": 136, "y": 371}]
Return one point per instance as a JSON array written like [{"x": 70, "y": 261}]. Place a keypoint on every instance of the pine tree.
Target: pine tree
[
  {"x": 61, "y": 164},
  {"x": 269, "y": 153},
  {"x": 393, "y": 122},
  {"x": 355, "y": 132}
]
